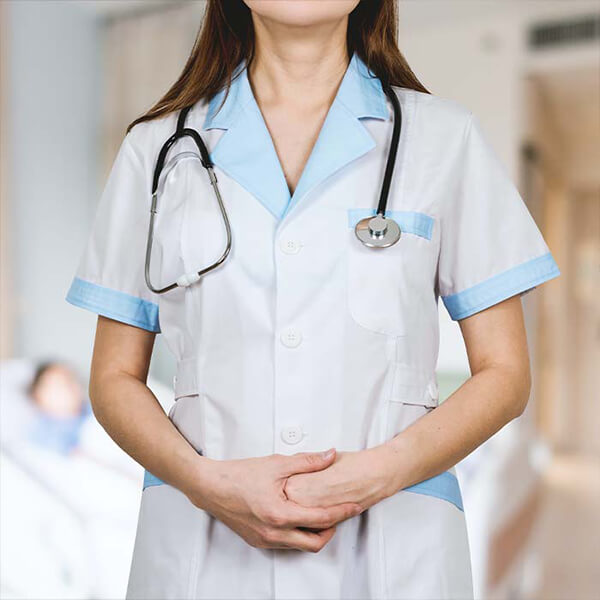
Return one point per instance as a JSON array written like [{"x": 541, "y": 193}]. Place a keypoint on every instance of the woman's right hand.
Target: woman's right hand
[{"x": 248, "y": 496}]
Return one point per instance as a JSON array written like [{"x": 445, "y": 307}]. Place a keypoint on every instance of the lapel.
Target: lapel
[{"x": 245, "y": 152}]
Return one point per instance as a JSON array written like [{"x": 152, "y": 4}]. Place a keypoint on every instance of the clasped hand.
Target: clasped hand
[{"x": 292, "y": 502}]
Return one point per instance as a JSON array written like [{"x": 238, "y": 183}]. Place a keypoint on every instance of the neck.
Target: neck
[{"x": 293, "y": 64}]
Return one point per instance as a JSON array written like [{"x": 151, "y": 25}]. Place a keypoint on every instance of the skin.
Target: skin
[
  {"x": 300, "y": 60},
  {"x": 295, "y": 501},
  {"x": 496, "y": 393},
  {"x": 58, "y": 393}
]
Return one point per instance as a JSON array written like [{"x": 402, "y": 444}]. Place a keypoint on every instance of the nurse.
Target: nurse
[{"x": 306, "y": 456}]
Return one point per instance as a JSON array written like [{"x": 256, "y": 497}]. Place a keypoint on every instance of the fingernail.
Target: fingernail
[{"x": 328, "y": 453}]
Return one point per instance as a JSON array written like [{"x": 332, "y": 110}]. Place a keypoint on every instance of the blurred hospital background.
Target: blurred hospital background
[{"x": 75, "y": 73}]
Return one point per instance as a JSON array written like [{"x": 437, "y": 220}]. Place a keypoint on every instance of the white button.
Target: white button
[
  {"x": 290, "y": 246},
  {"x": 291, "y": 338},
  {"x": 291, "y": 435}
]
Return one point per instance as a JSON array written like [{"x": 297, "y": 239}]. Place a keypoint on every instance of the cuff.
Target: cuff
[
  {"x": 517, "y": 280},
  {"x": 114, "y": 304}
]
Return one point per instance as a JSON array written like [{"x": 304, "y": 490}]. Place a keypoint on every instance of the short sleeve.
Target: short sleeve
[
  {"x": 110, "y": 277},
  {"x": 490, "y": 247}
]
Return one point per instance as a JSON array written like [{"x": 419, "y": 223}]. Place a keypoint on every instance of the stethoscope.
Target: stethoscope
[{"x": 378, "y": 231}]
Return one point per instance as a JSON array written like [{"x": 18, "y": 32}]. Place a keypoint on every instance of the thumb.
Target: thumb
[{"x": 307, "y": 462}]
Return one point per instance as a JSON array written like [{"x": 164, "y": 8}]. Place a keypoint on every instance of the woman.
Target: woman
[{"x": 306, "y": 456}]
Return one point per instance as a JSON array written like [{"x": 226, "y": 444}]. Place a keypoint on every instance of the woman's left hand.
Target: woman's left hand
[{"x": 363, "y": 477}]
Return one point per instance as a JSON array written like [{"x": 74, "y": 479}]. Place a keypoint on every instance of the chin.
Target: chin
[{"x": 302, "y": 13}]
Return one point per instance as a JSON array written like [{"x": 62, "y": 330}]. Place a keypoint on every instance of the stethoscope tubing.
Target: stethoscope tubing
[
  {"x": 391, "y": 159},
  {"x": 189, "y": 278}
]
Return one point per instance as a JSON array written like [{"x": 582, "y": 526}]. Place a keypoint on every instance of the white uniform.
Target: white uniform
[{"x": 305, "y": 339}]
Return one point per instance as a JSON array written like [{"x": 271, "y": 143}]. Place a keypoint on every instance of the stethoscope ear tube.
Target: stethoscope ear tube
[
  {"x": 160, "y": 161},
  {"x": 391, "y": 159},
  {"x": 380, "y": 231},
  {"x": 162, "y": 155}
]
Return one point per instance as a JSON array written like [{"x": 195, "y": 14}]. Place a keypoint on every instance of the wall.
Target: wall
[
  {"x": 476, "y": 53},
  {"x": 6, "y": 322},
  {"x": 53, "y": 101}
]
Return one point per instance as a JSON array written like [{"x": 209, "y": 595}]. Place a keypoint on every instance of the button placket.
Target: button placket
[{"x": 289, "y": 432}]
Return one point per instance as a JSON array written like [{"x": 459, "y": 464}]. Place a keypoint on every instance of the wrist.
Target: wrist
[
  {"x": 382, "y": 467},
  {"x": 395, "y": 457},
  {"x": 201, "y": 480}
]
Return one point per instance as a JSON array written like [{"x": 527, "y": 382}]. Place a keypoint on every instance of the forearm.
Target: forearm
[
  {"x": 478, "y": 409},
  {"x": 132, "y": 416},
  {"x": 496, "y": 393}
]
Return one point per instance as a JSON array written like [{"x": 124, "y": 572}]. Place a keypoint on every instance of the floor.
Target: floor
[{"x": 568, "y": 542}]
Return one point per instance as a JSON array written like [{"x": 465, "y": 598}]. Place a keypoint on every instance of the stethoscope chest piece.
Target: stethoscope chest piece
[{"x": 377, "y": 231}]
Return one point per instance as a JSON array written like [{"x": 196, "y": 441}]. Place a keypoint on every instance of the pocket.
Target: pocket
[
  {"x": 185, "y": 382},
  {"x": 413, "y": 394},
  {"x": 383, "y": 283},
  {"x": 170, "y": 535},
  {"x": 426, "y": 550},
  {"x": 187, "y": 414}
]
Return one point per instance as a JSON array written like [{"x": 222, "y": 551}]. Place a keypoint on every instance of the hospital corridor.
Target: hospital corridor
[{"x": 75, "y": 73}]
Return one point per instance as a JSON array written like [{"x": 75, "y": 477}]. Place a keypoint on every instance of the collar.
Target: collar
[
  {"x": 360, "y": 91},
  {"x": 245, "y": 151}
]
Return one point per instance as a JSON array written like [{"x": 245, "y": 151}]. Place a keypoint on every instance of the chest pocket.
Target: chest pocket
[{"x": 384, "y": 283}]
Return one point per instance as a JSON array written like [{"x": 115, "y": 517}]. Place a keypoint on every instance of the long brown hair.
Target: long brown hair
[{"x": 226, "y": 37}]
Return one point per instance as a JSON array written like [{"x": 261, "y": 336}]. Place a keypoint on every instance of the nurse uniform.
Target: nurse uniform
[{"x": 305, "y": 339}]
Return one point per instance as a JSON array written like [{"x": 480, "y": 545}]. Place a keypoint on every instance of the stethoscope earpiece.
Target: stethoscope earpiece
[{"x": 377, "y": 231}]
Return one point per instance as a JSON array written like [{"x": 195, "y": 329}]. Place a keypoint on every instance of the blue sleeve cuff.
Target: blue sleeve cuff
[
  {"x": 517, "y": 280},
  {"x": 114, "y": 304}
]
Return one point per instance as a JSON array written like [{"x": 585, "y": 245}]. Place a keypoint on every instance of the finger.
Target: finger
[
  {"x": 308, "y": 462},
  {"x": 305, "y": 540},
  {"x": 320, "y": 517}
]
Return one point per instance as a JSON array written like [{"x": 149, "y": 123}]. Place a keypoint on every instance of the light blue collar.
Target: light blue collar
[{"x": 246, "y": 152}]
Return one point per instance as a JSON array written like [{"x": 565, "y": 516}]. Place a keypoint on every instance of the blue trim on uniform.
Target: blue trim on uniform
[
  {"x": 514, "y": 281},
  {"x": 151, "y": 480},
  {"x": 114, "y": 304},
  {"x": 246, "y": 153},
  {"x": 444, "y": 486},
  {"x": 410, "y": 221}
]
